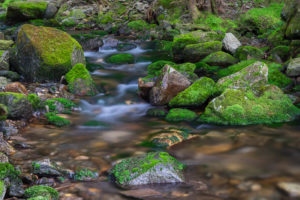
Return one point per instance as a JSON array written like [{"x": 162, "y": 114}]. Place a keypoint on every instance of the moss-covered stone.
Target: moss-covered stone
[
  {"x": 6, "y": 44},
  {"x": 243, "y": 107},
  {"x": 2, "y": 189},
  {"x": 293, "y": 26},
  {"x": 37, "y": 191},
  {"x": 56, "y": 120},
  {"x": 195, "y": 95},
  {"x": 280, "y": 53},
  {"x": 203, "y": 69},
  {"x": 8, "y": 171},
  {"x": 248, "y": 52},
  {"x": 234, "y": 68},
  {"x": 44, "y": 53},
  {"x": 156, "y": 112},
  {"x": 138, "y": 25},
  {"x": 196, "y": 52},
  {"x": 151, "y": 168},
  {"x": 119, "y": 59},
  {"x": 194, "y": 37},
  {"x": 220, "y": 58},
  {"x": 14, "y": 76},
  {"x": 179, "y": 115},
  {"x": 35, "y": 101},
  {"x": 80, "y": 81},
  {"x": 17, "y": 104},
  {"x": 85, "y": 175},
  {"x": 156, "y": 67},
  {"x": 60, "y": 105},
  {"x": 20, "y": 11}
]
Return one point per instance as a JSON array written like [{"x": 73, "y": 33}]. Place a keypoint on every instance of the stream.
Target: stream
[{"x": 222, "y": 163}]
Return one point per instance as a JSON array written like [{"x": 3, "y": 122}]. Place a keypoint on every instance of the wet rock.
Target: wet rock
[
  {"x": 292, "y": 189},
  {"x": 125, "y": 46},
  {"x": 16, "y": 188},
  {"x": 14, "y": 76},
  {"x": 5, "y": 147},
  {"x": 157, "y": 112},
  {"x": 169, "y": 137},
  {"x": 3, "y": 82},
  {"x": 17, "y": 104},
  {"x": 2, "y": 190},
  {"x": 4, "y": 60},
  {"x": 293, "y": 68},
  {"x": 254, "y": 76},
  {"x": 80, "y": 81},
  {"x": 142, "y": 193},
  {"x": 195, "y": 95},
  {"x": 23, "y": 11},
  {"x": 151, "y": 168},
  {"x": 56, "y": 48},
  {"x": 92, "y": 44},
  {"x": 16, "y": 87},
  {"x": 47, "y": 167},
  {"x": 167, "y": 86},
  {"x": 46, "y": 181},
  {"x": 231, "y": 43},
  {"x": 12, "y": 127},
  {"x": 145, "y": 88}
]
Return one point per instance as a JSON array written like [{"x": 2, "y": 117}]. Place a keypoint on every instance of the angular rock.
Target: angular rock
[
  {"x": 23, "y": 11},
  {"x": 17, "y": 104},
  {"x": 293, "y": 68},
  {"x": 80, "y": 81},
  {"x": 167, "y": 86},
  {"x": 145, "y": 88},
  {"x": 151, "y": 168},
  {"x": 47, "y": 167},
  {"x": 4, "y": 60},
  {"x": 195, "y": 95},
  {"x": 231, "y": 43},
  {"x": 252, "y": 77},
  {"x": 45, "y": 54}
]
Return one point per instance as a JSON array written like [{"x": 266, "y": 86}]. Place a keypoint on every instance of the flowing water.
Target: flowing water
[{"x": 222, "y": 163}]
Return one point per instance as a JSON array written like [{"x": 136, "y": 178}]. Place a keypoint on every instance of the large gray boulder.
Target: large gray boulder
[
  {"x": 168, "y": 85},
  {"x": 151, "y": 168},
  {"x": 293, "y": 68},
  {"x": 231, "y": 43}
]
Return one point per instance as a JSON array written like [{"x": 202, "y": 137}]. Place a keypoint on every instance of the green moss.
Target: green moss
[
  {"x": 6, "y": 44},
  {"x": 156, "y": 112},
  {"x": 138, "y": 25},
  {"x": 54, "y": 47},
  {"x": 2, "y": 188},
  {"x": 276, "y": 77},
  {"x": 80, "y": 81},
  {"x": 122, "y": 58},
  {"x": 178, "y": 115},
  {"x": 248, "y": 52},
  {"x": 262, "y": 20},
  {"x": 106, "y": 18},
  {"x": 281, "y": 51},
  {"x": 132, "y": 168},
  {"x": 3, "y": 112},
  {"x": 220, "y": 58},
  {"x": 56, "y": 120},
  {"x": 68, "y": 105},
  {"x": 234, "y": 68},
  {"x": 243, "y": 107},
  {"x": 35, "y": 101},
  {"x": 156, "y": 67},
  {"x": 195, "y": 95},
  {"x": 85, "y": 174},
  {"x": 8, "y": 171},
  {"x": 196, "y": 52},
  {"x": 216, "y": 23},
  {"x": 41, "y": 190}
]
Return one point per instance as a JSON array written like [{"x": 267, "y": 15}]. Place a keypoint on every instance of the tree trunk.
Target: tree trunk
[
  {"x": 214, "y": 9},
  {"x": 195, "y": 13}
]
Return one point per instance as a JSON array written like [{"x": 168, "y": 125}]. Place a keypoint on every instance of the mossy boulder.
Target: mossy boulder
[
  {"x": 248, "y": 52},
  {"x": 196, "y": 52},
  {"x": 119, "y": 59},
  {"x": 41, "y": 192},
  {"x": 56, "y": 120},
  {"x": 80, "y": 81},
  {"x": 20, "y": 11},
  {"x": 2, "y": 189},
  {"x": 280, "y": 53},
  {"x": 14, "y": 76},
  {"x": 155, "y": 68},
  {"x": 17, "y": 104},
  {"x": 252, "y": 77},
  {"x": 195, "y": 37},
  {"x": 291, "y": 13},
  {"x": 195, "y": 95},
  {"x": 156, "y": 112},
  {"x": 151, "y": 168},
  {"x": 243, "y": 107},
  {"x": 138, "y": 25},
  {"x": 45, "y": 54},
  {"x": 203, "y": 69},
  {"x": 6, "y": 44},
  {"x": 59, "y": 105},
  {"x": 220, "y": 58},
  {"x": 180, "y": 115}
]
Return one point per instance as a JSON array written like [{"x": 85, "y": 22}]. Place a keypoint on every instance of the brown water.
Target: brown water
[{"x": 222, "y": 163}]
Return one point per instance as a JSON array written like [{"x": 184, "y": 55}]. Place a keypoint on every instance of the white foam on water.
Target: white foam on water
[{"x": 123, "y": 88}]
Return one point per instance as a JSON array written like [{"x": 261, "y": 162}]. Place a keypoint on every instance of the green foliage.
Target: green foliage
[
  {"x": 85, "y": 174},
  {"x": 41, "y": 191},
  {"x": 179, "y": 115},
  {"x": 56, "y": 120},
  {"x": 138, "y": 25},
  {"x": 195, "y": 95},
  {"x": 35, "y": 101},
  {"x": 277, "y": 78},
  {"x": 156, "y": 112},
  {"x": 156, "y": 67},
  {"x": 246, "y": 52},
  {"x": 8, "y": 171},
  {"x": 132, "y": 168},
  {"x": 67, "y": 105},
  {"x": 6, "y": 2},
  {"x": 234, "y": 68},
  {"x": 122, "y": 58}
]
